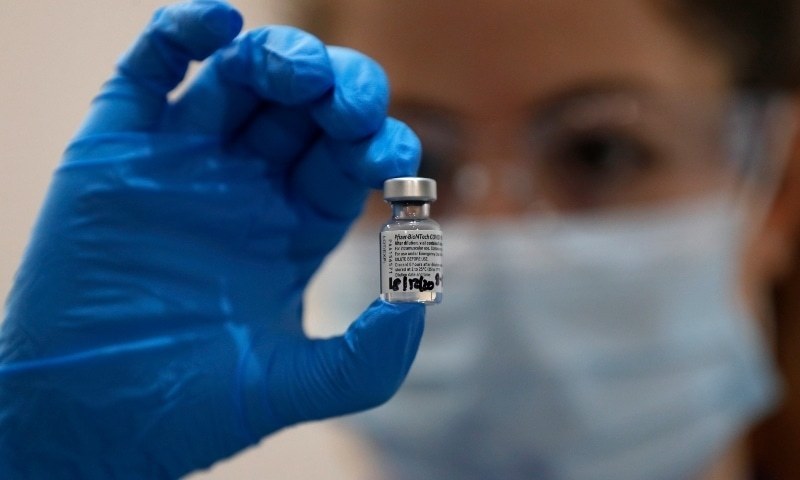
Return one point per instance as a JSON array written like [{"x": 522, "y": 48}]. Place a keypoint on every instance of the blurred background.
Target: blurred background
[{"x": 55, "y": 56}]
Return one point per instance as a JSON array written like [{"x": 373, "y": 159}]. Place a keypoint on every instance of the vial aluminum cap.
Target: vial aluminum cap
[{"x": 409, "y": 189}]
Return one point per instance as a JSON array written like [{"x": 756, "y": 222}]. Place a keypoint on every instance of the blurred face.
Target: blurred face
[
  {"x": 568, "y": 105},
  {"x": 572, "y": 107}
]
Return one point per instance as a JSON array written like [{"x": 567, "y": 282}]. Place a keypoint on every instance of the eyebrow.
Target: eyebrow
[
  {"x": 548, "y": 107},
  {"x": 553, "y": 105}
]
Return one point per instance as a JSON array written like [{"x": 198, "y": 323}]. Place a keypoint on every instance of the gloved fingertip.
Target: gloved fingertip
[
  {"x": 396, "y": 151},
  {"x": 359, "y": 102},
  {"x": 383, "y": 308},
  {"x": 411, "y": 313},
  {"x": 221, "y": 19},
  {"x": 196, "y": 28},
  {"x": 408, "y": 149},
  {"x": 389, "y": 330},
  {"x": 298, "y": 66}
]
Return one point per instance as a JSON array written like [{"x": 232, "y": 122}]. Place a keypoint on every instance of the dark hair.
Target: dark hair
[{"x": 760, "y": 37}]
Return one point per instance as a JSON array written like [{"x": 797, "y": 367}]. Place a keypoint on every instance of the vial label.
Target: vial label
[{"x": 411, "y": 264}]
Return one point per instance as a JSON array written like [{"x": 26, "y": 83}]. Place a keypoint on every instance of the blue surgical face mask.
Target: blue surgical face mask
[{"x": 595, "y": 348}]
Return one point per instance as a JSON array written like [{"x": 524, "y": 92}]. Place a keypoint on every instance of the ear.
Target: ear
[{"x": 779, "y": 242}]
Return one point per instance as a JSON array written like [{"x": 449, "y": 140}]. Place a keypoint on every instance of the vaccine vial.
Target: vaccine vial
[{"x": 411, "y": 243}]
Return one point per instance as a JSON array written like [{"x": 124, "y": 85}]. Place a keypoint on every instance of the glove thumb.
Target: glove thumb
[{"x": 359, "y": 370}]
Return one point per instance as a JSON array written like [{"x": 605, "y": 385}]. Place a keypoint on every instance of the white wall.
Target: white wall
[{"x": 54, "y": 54}]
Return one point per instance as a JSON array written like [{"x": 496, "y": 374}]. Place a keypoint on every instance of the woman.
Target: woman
[
  {"x": 608, "y": 169},
  {"x": 475, "y": 80}
]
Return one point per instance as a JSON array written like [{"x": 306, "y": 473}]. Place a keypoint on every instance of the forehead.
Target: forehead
[{"x": 495, "y": 53}]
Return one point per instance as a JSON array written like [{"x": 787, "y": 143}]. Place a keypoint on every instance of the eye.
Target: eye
[
  {"x": 441, "y": 152},
  {"x": 581, "y": 169},
  {"x": 441, "y": 142},
  {"x": 598, "y": 156}
]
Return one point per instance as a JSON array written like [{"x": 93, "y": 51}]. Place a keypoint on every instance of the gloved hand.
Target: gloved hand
[{"x": 154, "y": 326}]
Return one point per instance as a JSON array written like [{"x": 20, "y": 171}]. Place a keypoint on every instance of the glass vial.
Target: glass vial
[{"x": 411, "y": 243}]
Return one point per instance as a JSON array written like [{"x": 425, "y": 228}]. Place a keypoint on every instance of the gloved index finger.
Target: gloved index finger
[
  {"x": 353, "y": 109},
  {"x": 134, "y": 98},
  {"x": 333, "y": 179},
  {"x": 359, "y": 102},
  {"x": 276, "y": 65}
]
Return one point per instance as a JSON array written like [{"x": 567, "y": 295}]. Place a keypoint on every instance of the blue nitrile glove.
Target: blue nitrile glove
[{"x": 155, "y": 326}]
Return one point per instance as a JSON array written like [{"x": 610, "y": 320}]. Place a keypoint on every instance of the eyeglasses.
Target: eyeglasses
[{"x": 604, "y": 151}]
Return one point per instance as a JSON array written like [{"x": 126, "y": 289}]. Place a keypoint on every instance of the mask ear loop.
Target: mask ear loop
[{"x": 762, "y": 128}]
